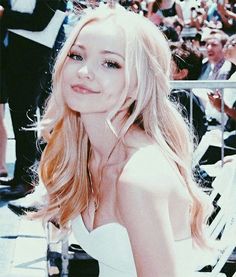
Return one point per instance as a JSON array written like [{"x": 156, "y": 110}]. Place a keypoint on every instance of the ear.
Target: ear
[
  {"x": 181, "y": 74},
  {"x": 184, "y": 73}
]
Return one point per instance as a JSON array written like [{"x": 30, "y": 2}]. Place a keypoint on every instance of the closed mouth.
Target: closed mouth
[{"x": 83, "y": 90}]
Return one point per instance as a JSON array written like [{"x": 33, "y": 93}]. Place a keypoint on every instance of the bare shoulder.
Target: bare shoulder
[
  {"x": 149, "y": 170},
  {"x": 144, "y": 194}
]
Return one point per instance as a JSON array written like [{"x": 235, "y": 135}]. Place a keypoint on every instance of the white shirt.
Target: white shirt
[{"x": 24, "y": 6}]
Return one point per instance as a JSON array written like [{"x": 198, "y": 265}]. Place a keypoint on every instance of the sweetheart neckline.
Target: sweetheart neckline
[
  {"x": 99, "y": 227},
  {"x": 116, "y": 224}
]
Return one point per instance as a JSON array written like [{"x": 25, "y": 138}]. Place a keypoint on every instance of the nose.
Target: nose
[
  {"x": 85, "y": 73},
  {"x": 209, "y": 47}
]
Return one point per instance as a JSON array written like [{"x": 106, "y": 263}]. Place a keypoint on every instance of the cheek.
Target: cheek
[
  {"x": 64, "y": 76},
  {"x": 113, "y": 82},
  {"x": 68, "y": 71},
  {"x": 232, "y": 50},
  {"x": 67, "y": 76},
  {"x": 113, "y": 88},
  {"x": 226, "y": 53}
]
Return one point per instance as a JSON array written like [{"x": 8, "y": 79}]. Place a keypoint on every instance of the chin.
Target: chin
[{"x": 72, "y": 107}]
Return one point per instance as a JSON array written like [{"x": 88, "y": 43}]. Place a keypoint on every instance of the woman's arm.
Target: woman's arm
[
  {"x": 225, "y": 15},
  {"x": 179, "y": 12},
  {"x": 215, "y": 101},
  {"x": 143, "y": 195},
  {"x": 231, "y": 14},
  {"x": 150, "y": 12}
]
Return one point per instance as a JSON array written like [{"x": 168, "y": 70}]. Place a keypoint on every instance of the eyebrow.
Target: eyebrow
[
  {"x": 78, "y": 46},
  {"x": 102, "y": 52},
  {"x": 111, "y": 52}
]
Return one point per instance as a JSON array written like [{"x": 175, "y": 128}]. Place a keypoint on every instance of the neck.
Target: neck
[
  {"x": 101, "y": 137},
  {"x": 218, "y": 61}
]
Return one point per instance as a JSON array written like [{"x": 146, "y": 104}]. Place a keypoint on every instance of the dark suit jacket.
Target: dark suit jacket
[
  {"x": 26, "y": 59},
  {"x": 37, "y": 21},
  {"x": 229, "y": 73}
]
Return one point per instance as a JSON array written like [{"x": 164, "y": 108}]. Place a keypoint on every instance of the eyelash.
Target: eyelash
[
  {"x": 107, "y": 63},
  {"x": 111, "y": 64},
  {"x": 75, "y": 57}
]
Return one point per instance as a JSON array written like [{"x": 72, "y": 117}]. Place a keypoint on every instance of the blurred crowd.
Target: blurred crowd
[
  {"x": 187, "y": 18},
  {"x": 202, "y": 38}
]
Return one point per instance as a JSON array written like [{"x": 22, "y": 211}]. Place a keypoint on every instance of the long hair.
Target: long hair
[{"x": 63, "y": 166}]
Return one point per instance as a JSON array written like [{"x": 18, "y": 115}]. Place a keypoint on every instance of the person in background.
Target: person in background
[
  {"x": 26, "y": 61},
  {"x": 186, "y": 65},
  {"x": 117, "y": 164},
  {"x": 229, "y": 94},
  {"x": 31, "y": 202},
  {"x": 196, "y": 41},
  {"x": 197, "y": 18},
  {"x": 186, "y": 6},
  {"x": 165, "y": 12},
  {"x": 228, "y": 16},
  {"x": 215, "y": 67},
  {"x": 213, "y": 19}
]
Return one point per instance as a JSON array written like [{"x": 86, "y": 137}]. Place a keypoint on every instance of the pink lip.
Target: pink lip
[{"x": 82, "y": 89}]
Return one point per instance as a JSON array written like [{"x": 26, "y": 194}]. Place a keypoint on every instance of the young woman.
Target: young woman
[
  {"x": 117, "y": 164},
  {"x": 168, "y": 11},
  {"x": 186, "y": 65}
]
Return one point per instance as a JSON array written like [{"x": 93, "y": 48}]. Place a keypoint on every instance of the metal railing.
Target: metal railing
[
  {"x": 66, "y": 256},
  {"x": 211, "y": 85}
]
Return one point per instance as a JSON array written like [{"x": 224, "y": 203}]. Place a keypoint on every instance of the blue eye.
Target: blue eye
[
  {"x": 111, "y": 64},
  {"x": 76, "y": 57}
]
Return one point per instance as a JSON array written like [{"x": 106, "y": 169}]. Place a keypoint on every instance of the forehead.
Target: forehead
[
  {"x": 105, "y": 33},
  {"x": 232, "y": 40},
  {"x": 213, "y": 42}
]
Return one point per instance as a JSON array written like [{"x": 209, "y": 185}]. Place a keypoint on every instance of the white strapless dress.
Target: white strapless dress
[{"x": 110, "y": 245}]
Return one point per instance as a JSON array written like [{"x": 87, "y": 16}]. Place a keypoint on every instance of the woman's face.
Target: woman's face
[
  {"x": 93, "y": 75},
  {"x": 230, "y": 50}
]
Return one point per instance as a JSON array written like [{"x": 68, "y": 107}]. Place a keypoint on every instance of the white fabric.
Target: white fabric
[
  {"x": 186, "y": 8},
  {"x": 229, "y": 96},
  {"x": 230, "y": 93},
  {"x": 24, "y": 6},
  {"x": 110, "y": 245}
]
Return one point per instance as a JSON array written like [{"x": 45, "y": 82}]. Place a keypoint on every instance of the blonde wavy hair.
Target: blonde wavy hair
[{"x": 63, "y": 167}]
